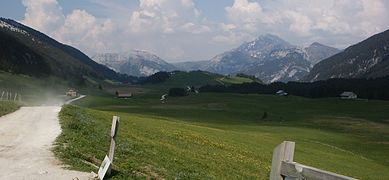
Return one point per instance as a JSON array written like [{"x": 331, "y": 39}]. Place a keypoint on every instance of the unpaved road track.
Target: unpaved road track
[{"x": 26, "y": 137}]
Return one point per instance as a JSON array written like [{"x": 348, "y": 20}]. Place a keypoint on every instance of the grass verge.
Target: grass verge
[{"x": 7, "y": 107}]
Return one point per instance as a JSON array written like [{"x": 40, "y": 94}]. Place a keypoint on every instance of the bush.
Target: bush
[
  {"x": 158, "y": 77},
  {"x": 178, "y": 92}
]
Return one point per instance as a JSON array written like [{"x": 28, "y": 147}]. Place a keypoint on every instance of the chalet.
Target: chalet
[
  {"x": 348, "y": 95},
  {"x": 71, "y": 92},
  {"x": 281, "y": 93},
  {"x": 123, "y": 95}
]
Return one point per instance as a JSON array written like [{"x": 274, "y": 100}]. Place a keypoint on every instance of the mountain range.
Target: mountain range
[
  {"x": 271, "y": 59},
  {"x": 24, "y": 50},
  {"x": 268, "y": 57}
]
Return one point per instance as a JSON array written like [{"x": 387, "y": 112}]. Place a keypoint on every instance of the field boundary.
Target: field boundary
[{"x": 283, "y": 166}]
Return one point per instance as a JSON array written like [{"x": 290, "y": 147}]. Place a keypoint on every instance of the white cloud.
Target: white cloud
[
  {"x": 166, "y": 16},
  {"x": 299, "y": 23},
  {"x": 246, "y": 14},
  {"x": 334, "y": 22},
  {"x": 79, "y": 28},
  {"x": 83, "y": 30},
  {"x": 44, "y": 15},
  {"x": 177, "y": 29}
]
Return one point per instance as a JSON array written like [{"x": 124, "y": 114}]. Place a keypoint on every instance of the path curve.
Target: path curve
[{"x": 26, "y": 138}]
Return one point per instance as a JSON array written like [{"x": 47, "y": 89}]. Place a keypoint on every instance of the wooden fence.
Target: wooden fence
[
  {"x": 283, "y": 167},
  {"x": 106, "y": 165},
  {"x": 9, "y": 96}
]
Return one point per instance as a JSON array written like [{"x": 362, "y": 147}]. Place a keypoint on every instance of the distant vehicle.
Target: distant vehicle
[
  {"x": 348, "y": 95},
  {"x": 281, "y": 93},
  {"x": 71, "y": 92}
]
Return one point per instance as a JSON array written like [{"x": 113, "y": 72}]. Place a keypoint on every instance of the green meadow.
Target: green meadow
[{"x": 224, "y": 136}]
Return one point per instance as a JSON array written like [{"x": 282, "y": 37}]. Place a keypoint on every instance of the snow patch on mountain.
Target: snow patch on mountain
[
  {"x": 271, "y": 59},
  {"x": 12, "y": 28},
  {"x": 135, "y": 62},
  {"x": 148, "y": 70}
]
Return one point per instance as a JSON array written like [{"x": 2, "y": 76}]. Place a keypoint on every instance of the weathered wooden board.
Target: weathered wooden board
[
  {"x": 283, "y": 167},
  {"x": 114, "y": 131},
  {"x": 105, "y": 165},
  {"x": 294, "y": 170},
  {"x": 283, "y": 152}
]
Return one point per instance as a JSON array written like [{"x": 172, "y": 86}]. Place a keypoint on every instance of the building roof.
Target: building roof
[
  {"x": 124, "y": 95},
  {"x": 348, "y": 93}
]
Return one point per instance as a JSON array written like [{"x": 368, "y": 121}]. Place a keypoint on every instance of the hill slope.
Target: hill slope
[
  {"x": 367, "y": 59},
  {"x": 24, "y": 50}
]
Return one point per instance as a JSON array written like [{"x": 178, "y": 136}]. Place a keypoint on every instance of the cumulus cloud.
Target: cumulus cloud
[
  {"x": 83, "y": 30},
  {"x": 166, "y": 16},
  {"x": 178, "y": 29},
  {"x": 44, "y": 15},
  {"x": 79, "y": 28},
  {"x": 335, "y": 22}
]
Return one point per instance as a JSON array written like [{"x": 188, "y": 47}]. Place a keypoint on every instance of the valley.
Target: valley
[{"x": 63, "y": 79}]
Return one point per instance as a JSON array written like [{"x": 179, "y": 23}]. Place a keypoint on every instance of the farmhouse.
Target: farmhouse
[
  {"x": 281, "y": 93},
  {"x": 124, "y": 95},
  {"x": 348, "y": 95},
  {"x": 71, "y": 92}
]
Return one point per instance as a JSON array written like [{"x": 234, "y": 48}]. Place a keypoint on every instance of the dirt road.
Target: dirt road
[{"x": 26, "y": 137}]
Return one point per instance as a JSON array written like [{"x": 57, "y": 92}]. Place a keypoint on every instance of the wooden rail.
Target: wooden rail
[
  {"x": 106, "y": 165},
  {"x": 283, "y": 167}
]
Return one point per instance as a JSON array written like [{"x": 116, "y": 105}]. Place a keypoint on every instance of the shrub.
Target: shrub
[{"x": 178, "y": 92}]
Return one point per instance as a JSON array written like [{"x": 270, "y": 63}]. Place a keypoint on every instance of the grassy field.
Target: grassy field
[
  {"x": 226, "y": 136},
  {"x": 7, "y": 107}
]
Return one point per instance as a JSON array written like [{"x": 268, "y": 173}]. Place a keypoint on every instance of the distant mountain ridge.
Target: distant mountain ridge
[
  {"x": 367, "y": 59},
  {"x": 27, "y": 51},
  {"x": 135, "y": 63},
  {"x": 271, "y": 59}
]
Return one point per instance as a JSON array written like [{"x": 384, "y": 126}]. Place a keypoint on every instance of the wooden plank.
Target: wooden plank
[
  {"x": 105, "y": 166},
  {"x": 115, "y": 120},
  {"x": 293, "y": 170},
  {"x": 283, "y": 152},
  {"x": 114, "y": 131}
]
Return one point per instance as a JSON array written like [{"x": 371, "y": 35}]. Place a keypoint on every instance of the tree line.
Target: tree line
[{"x": 365, "y": 88}]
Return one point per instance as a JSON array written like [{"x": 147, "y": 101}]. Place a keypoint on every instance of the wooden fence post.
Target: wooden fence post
[
  {"x": 283, "y": 152},
  {"x": 114, "y": 130}
]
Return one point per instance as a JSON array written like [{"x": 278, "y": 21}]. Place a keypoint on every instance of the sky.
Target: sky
[{"x": 190, "y": 30}]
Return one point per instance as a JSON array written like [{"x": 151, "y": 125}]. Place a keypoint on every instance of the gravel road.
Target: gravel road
[{"x": 26, "y": 137}]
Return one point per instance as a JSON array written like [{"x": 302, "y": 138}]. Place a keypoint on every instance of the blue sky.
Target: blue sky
[{"x": 181, "y": 30}]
